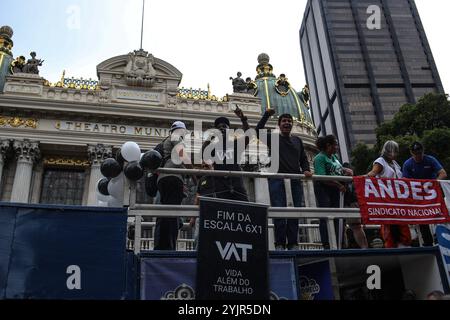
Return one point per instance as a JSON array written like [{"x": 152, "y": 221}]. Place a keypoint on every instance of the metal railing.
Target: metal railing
[
  {"x": 147, "y": 243},
  {"x": 310, "y": 211}
]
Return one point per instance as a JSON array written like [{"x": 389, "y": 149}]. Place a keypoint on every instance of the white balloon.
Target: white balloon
[
  {"x": 115, "y": 186},
  {"x": 102, "y": 197},
  {"x": 130, "y": 151},
  {"x": 102, "y": 203}
]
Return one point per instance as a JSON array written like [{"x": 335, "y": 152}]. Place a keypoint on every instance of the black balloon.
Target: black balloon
[
  {"x": 119, "y": 158},
  {"x": 133, "y": 171},
  {"x": 110, "y": 168},
  {"x": 151, "y": 160},
  {"x": 151, "y": 185},
  {"x": 103, "y": 186}
]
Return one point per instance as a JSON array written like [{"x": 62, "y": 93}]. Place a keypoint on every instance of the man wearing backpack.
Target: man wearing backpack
[
  {"x": 171, "y": 186},
  {"x": 292, "y": 159}
]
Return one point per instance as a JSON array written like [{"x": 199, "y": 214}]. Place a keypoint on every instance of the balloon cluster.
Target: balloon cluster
[{"x": 129, "y": 160}]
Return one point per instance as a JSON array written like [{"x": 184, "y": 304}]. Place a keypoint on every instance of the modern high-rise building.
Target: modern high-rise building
[{"x": 363, "y": 60}]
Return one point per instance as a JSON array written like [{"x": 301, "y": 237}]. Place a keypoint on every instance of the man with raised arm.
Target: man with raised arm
[{"x": 292, "y": 159}]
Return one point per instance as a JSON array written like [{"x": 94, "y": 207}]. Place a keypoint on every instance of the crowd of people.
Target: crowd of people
[
  {"x": 292, "y": 160},
  {"x": 419, "y": 166}
]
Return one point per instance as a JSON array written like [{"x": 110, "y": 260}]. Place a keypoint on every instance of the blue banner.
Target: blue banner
[
  {"x": 168, "y": 278},
  {"x": 443, "y": 236},
  {"x": 132, "y": 276},
  {"x": 315, "y": 281},
  {"x": 62, "y": 252},
  {"x": 7, "y": 224},
  {"x": 283, "y": 283},
  {"x": 174, "y": 279}
]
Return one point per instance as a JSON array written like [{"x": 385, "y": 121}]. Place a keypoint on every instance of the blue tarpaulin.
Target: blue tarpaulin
[
  {"x": 62, "y": 252},
  {"x": 172, "y": 278}
]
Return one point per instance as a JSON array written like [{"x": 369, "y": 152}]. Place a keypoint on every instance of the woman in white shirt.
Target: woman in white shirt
[{"x": 394, "y": 236}]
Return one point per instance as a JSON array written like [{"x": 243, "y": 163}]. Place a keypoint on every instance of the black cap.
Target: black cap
[
  {"x": 221, "y": 120},
  {"x": 416, "y": 146}
]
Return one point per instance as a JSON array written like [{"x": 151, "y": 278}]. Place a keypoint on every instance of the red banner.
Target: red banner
[{"x": 400, "y": 201}]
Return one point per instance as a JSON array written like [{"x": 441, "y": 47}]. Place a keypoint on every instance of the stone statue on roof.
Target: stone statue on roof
[
  {"x": 239, "y": 84},
  {"x": 139, "y": 70},
  {"x": 305, "y": 96},
  {"x": 32, "y": 64},
  {"x": 17, "y": 65},
  {"x": 252, "y": 88}
]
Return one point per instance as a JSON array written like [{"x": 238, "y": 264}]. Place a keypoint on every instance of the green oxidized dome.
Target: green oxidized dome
[{"x": 277, "y": 93}]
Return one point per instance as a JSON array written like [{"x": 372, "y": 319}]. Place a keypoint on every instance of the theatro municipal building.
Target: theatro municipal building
[{"x": 54, "y": 135}]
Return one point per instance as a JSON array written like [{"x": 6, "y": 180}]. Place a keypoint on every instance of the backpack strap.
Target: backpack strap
[{"x": 160, "y": 149}]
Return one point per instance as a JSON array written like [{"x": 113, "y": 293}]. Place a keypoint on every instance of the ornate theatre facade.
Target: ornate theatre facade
[{"x": 54, "y": 136}]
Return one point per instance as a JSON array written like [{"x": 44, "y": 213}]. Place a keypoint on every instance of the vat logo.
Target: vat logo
[
  {"x": 231, "y": 249},
  {"x": 374, "y": 20}
]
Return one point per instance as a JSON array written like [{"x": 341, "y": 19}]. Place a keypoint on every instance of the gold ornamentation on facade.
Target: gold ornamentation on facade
[
  {"x": 17, "y": 65},
  {"x": 2, "y": 57},
  {"x": 6, "y": 43},
  {"x": 251, "y": 85},
  {"x": 282, "y": 85},
  {"x": 17, "y": 122},
  {"x": 198, "y": 94},
  {"x": 66, "y": 162},
  {"x": 264, "y": 71},
  {"x": 306, "y": 95},
  {"x": 264, "y": 68},
  {"x": 267, "y": 94},
  {"x": 304, "y": 122},
  {"x": 73, "y": 83}
]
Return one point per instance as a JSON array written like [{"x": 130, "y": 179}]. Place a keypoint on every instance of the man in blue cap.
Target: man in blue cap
[{"x": 423, "y": 166}]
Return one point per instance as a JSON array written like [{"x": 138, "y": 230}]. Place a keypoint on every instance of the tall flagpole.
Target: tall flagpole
[{"x": 142, "y": 25}]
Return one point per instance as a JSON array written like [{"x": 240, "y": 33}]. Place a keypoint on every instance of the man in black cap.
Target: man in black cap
[
  {"x": 226, "y": 157},
  {"x": 422, "y": 166}
]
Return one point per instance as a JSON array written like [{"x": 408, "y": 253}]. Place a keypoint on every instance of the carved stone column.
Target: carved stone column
[
  {"x": 97, "y": 153},
  {"x": 38, "y": 175},
  {"x": 4, "y": 148},
  {"x": 27, "y": 153}
]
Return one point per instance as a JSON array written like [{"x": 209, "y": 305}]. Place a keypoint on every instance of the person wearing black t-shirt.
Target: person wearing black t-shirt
[
  {"x": 205, "y": 188},
  {"x": 292, "y": 159},
  {"x": 226, "y": 148}
]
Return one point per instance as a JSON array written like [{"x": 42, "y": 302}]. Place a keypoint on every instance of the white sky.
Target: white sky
[{"x": 208, "y": 41}]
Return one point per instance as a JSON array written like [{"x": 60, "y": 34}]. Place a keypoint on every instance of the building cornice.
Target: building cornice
[{"x": 189, "y": 111}]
